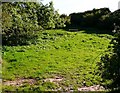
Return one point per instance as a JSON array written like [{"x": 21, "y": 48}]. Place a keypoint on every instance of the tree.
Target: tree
[
  {"x": 22, "y": 23},
  {"x": 93, "y": 18},
  {"x": 48, "y": 17},
  {"x": 66, "y": 20}
]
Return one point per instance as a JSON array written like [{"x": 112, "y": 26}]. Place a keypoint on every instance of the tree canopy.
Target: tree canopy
[{"x": 99, "y": 18}]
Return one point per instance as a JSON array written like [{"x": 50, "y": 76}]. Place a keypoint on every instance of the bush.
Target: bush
[
  {"x": 18, "y": 28},
  {"x": 110, "y": 63},
  {"x": 22, "y": 20}
]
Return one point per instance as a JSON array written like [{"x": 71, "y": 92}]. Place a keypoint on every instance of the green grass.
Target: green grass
[{"x": 71, "y": 55}]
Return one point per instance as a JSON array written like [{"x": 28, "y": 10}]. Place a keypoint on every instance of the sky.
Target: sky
[{"x": 71, "y": 6}]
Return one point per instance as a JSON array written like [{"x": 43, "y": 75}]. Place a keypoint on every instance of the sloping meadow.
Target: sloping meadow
[{"x": 59, "y": 60}]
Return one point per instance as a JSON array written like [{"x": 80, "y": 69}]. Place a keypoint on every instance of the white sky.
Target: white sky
[{"x": 70, "y": 6}]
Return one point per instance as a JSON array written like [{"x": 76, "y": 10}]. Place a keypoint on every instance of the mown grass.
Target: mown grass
[{"x": 71, "y": 55}]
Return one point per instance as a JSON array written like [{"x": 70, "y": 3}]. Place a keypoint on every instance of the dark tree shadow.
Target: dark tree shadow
[{"x": 89, "y": 30}]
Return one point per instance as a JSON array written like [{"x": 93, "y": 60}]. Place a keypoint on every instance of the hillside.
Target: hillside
[{"x": 59, "y": 59}]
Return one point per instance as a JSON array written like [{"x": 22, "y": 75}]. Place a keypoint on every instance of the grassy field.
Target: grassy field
[{"x": 69, "y": 56}]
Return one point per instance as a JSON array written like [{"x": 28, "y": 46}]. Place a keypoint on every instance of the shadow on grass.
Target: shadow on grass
[{"x": 89, "y": 30}]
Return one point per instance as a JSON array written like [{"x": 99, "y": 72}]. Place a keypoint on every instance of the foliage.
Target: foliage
[
  {"x": 101, "y": 18},
  {"x": 116, "y": 17},
  {"x": 21, "y": 25},
  {"x": 22, "y": 21},
  {"x": 110, "y": 63},
  {"x": 89, "y": 18},
  {"x": 48, "y": 17},
  {"x": 107, "y": 21},
  {"x": 66, "y": 19},
  {"x": 45, "y": 16}
]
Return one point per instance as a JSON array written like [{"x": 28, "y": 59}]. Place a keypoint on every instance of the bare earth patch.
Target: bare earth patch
[
  {"x": 92, "y": 88},
  {"x": 56, "y": 79},
  {"x": 19, "y": 82}
]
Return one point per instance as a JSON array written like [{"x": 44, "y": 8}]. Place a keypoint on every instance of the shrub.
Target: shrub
[{"x": 110, "y": 63}]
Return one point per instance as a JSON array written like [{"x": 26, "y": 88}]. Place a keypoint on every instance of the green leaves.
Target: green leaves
[
  {"x": 22, "y": 21},
  {"x": 90, "y": 18},
  {"x": 19, "y": 23},
  {"x": 110, "y": 63}
]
